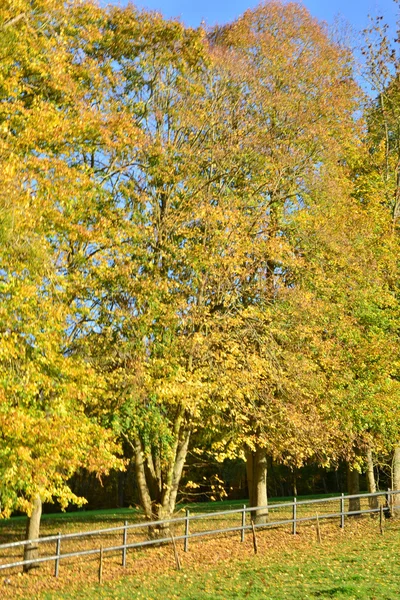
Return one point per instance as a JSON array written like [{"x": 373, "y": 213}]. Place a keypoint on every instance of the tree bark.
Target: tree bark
[
  {"x": 144, "y": 493},
  {"x": 396, "y": 481},
  {"x": 180, "y": 457},
  {"x": 295, "y": 483},
  {"x": 31, "y": 551},
  {"x": 256, "y": 467},
  {"x": 353, "y": 487},
  {"x": 373, "y": 501},
  {"x": 158, "y": 487},
  {"x": 169, "y": 492}
]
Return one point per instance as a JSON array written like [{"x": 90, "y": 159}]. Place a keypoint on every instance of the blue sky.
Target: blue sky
[{"x": 192, "y": 12}]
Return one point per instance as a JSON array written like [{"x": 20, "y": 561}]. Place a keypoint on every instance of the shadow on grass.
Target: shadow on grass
[{"x": 335, "y": 591}]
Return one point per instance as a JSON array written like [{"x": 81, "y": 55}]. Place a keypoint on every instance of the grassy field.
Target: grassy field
[
  {"x": 355, "y": 563},
  {"x": 68, "y": 522}
]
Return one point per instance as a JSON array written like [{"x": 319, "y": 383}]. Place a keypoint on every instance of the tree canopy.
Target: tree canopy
[{"x": 198, "y": 235}]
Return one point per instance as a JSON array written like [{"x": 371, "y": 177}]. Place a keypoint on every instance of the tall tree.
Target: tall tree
[
  {"x": 299, "y": 96},
  {"x": 380, "y": 172},
  {"x": 46, "y": 434},
  {"x": 131, "y": 280}
]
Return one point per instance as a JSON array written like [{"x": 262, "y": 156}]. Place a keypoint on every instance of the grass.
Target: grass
[
  {"x": 122, "y": 513},
  {"x": 355, "y": 563},
  {"x": 13, "y": 529},
  {"x": 358, "y": 565}
]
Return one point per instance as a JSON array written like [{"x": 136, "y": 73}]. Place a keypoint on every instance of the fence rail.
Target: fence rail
[{"x": 186, "y": 520}]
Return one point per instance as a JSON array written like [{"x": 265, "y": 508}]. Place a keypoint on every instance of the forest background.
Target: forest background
[{"x": 199, "y": 244}]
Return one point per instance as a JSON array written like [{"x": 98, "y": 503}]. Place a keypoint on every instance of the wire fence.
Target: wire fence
[{"x": 120, "y": 539}]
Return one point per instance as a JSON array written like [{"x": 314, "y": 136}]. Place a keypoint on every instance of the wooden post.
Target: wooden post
[
  {"x": 124, "y": 543},
  {"x": 243, "y": 523},
  {"x": 342, "y": 511},
  {"x": 318, "y": 531},
  {"x": 101, "y": 566},
  {"x": 381, "y": 518},
  {"x": 388, "y": 496},
  {"x": 294, "y": 524},
  {"x": 186, "y": 542},
  {"x": 57, "y": 561},
  {"x": 255, "y": 545},
  {"x": 177, "y": 560}
]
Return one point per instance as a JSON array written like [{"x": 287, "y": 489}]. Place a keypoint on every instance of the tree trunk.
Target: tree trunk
[
  {"x": 256, "y": 467},
  {"x": 169, "y": 492},
  {"x": 158, "y": 487},
  {"x": 295, "y": 483},
  {"x": 142, "y": 484},
  {"x": 373, "y": 501},
  {"x": 169, "y": 501},
  {"x": 396, "y": 481},
  {"x": 353, "y": 487},
  {"x": 31, "y": 551}
]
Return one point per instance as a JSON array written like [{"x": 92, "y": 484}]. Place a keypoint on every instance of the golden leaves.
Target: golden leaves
[{"x": 182, "y": 244}]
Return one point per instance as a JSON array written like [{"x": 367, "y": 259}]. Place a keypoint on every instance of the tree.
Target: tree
[
  {"x": 298, "y": 94},
  {"x": 46, "y": 434},
  {"x": 379, "y": 174},
  {"x": 128, "y": 275}
]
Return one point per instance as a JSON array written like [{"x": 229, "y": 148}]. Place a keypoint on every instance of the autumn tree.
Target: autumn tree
[
  {"x": 299, "y": 96},
  {"x": 46, "y": 435},
  {"x": 191, "y": 240},
  {"x": 378, "y": 176},
  {"x": 128, "y": 274}
]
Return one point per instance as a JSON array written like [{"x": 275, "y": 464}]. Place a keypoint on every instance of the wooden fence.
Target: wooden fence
[{"x": 192, "y": 526}]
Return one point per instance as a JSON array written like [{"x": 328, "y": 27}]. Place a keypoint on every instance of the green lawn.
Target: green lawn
[
  {"x": 121, "y": 513},
  {"x": 14, "y": 528},
  {"x": 355, "y": 564}
]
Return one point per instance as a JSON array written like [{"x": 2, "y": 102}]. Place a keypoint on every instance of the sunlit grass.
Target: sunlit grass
[{"x": 359, "y": 565}]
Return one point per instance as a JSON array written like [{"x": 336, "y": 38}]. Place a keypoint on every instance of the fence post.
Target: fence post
[
  {"x": 318, "y": 531},
  {"x": 388, "y": 501},
  {"x": 124, "y": 542},
  {"x": 57, "y": 561},
  {"x": 342, "y": 511},
  {"x": 255, "y": 544},
  {"x": 243, "y": 523},
  {"x": 294, "y": 524},
  {"x": 186, "y": 542},
  {"x": 101, "y": 566},
  {"x": 177, "y": 559}
]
